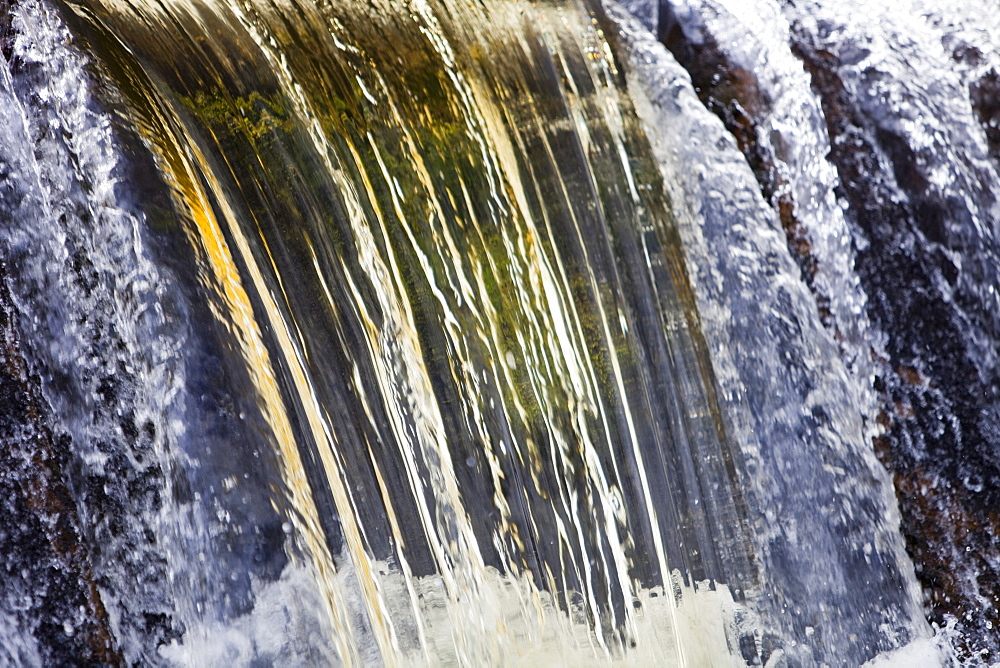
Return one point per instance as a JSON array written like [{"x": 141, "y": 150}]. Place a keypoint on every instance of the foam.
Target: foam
[{"x": 921, "y": 653}]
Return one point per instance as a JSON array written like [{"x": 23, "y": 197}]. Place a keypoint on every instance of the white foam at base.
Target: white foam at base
[
  {"x": 537, "y": 631},
  {"x": 533, "y": 630},
  {"x": 921, "y": 653},
  {"x": 285, "y": 627}
]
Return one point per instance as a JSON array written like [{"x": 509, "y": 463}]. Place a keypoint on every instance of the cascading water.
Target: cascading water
[
  {"x": 446, "y": 333},
  {"x": 907, "y": 110}
]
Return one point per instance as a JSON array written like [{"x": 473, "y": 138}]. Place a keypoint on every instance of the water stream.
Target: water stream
[{"x": 506, "y": 333}]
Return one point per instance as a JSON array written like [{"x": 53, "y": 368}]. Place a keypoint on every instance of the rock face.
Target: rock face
[
  {"x": 940, "y": 401},
  {"x": 47, "y": 590},
  {"x": 52, "y": 609},
  {"x": 919, "y": 191}
]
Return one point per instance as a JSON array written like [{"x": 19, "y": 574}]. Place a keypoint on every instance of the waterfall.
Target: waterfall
[{"x": 453, "y": 333}]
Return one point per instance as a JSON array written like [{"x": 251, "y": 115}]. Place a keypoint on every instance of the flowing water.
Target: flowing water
[
  {"x": 907, "y": 99},
  {"x": 498, "y": 333}
]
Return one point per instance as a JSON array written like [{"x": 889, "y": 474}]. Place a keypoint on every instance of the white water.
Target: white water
[
  {"x": 768, "y": 344},
  {"x": 834, "y": 583},
  {"x": 63, "y": 160},
  {"x": 108, "y": 331}
]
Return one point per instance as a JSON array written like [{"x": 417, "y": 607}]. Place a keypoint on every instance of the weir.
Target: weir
[{"x": 450, "y": 333}]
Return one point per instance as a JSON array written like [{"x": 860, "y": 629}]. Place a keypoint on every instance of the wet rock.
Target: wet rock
[
  {"x": 921, "y": 267},
  {"x": 935, "y": 386},
  {"x": 45, "y": 561}
]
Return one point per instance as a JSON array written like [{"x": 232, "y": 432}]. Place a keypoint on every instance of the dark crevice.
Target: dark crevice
[
  {"x": 734, "y": 95},
  {"x": 985, "y": 96},
  {"x": 936, "y": 397}
]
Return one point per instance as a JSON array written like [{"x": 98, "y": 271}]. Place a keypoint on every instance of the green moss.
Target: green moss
[{"x": 254, "y": 117}]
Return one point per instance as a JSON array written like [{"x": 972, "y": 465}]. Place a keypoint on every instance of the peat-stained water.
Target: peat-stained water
[
  {"x": 128, "y": 392},
  {"x": 373, "y": 332},
  {"x": 452, "y": 273}
]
